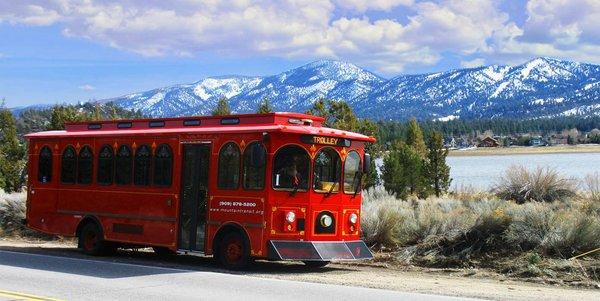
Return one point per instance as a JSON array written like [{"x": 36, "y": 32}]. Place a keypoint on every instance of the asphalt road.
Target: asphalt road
[{"x": 27, "y": 276}]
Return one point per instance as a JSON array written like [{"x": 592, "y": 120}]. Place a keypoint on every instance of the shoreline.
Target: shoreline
[{"x": 526, "y": 150}]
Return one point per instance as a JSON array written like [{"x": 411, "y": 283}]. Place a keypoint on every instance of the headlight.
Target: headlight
[
  {"x": 353, "y": 218},
  {"x": 326, "y": 221},
  {"x": 290, "y": 217}
]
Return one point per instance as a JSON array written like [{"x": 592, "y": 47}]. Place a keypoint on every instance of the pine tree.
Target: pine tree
[
  {"x": 12, "y": 154},
  {"x": 319, "y": 108},
  {"x": 403, "y": 171},
  {"x": 64, "y": 114},
  {"x": 340, "y": 116},
  {"x": 222, "y": 107},
  {"x": 265, "y": 106},
  {"x": 392, "y": 174},
  {"x": 412, "y": 165},
  {"x": 437, "y": 172},
  {"x": 414, "y": 137}
]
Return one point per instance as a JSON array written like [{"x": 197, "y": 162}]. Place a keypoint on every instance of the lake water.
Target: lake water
[{"x": 482, "y": 172}]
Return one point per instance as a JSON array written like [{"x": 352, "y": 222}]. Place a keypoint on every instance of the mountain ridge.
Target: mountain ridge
[{"x": 541, "y": 87}]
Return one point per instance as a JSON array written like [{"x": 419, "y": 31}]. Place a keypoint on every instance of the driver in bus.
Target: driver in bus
[{"x": 292, "y": 177}]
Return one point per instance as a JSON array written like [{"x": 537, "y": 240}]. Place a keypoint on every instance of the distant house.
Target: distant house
[
  {"x": 450, "y": 142},
  {"x": 488, "y": 142},
  {"x": 537, "y": 141},
  {"x": 558, "y": 139}
]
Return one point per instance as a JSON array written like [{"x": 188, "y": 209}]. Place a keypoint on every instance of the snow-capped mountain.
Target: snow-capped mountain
[
  {"x": 542, "y": 87},
  {"x": 293, "y": 90}
]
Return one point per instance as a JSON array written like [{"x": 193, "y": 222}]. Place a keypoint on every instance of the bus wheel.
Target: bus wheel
[
  {"x": 315, "y": 264},
  {"x": 92, "y": 242},
  {"x": 233, "y": 251}
]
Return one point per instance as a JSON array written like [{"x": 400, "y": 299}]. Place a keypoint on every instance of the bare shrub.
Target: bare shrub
[
  {"x": 493, "y": 218},
  {"x": 12, "y": 212},
  {"x": 573, "y": 232},
  {"x": 541, "y": 185},
  {"x": 531, "y": 225},
  {"x": 468, "y": 193},
  {"x": 592, "y": 190},
  {"x": 381, "y": 217},
  {"x": 446, "y": 230},
  {"x": 437, "y": 218}
]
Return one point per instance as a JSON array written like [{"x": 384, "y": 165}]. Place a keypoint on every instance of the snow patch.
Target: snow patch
[
  {"x": 525, "y": 72},
  {"x": 493, "y": 75},
  {"x": 538, "y": 101},
  {"x": 498, "y": 90},
  {"x": 432, "y": 76},
  {"x": 447, "y": 118}
]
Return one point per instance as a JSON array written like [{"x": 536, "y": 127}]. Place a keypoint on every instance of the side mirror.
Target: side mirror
[
  {"x": 258, "y": 155},
  {"x": 367, "y": 164}
]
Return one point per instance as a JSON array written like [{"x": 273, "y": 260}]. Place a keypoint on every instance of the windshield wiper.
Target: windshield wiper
[{"x": 330, "y": 189}]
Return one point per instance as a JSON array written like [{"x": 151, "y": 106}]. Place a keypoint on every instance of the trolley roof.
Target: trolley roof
[{"x": 284, "y": 122}]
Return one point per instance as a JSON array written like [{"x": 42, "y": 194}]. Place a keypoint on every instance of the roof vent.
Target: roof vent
[
  {"x": 191, "y": 122},
  {"x": 229, "y": 121},
  {"x": 157, "y": 124},
  {"x": 124, "y": 125}
]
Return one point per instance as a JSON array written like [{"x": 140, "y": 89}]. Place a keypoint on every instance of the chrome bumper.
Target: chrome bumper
[{"x": 318, "y": 250}]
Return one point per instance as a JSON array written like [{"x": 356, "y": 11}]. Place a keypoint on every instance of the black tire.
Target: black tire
[
  {"x": 315, "y": 264},
  {"x": 164, "y": 251},
  {"x": 233, "y": 252},
  {"x": 91, "y": 241}
]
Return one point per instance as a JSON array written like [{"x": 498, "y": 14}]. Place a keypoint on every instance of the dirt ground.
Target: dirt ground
[{"x": 475, "y": 283}]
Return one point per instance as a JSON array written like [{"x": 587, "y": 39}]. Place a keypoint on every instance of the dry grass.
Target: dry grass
[
  {"x": 12, "y": 212},
  {"x": 539, "y": 185},
  {"x": 462, "y": 229},
  {"x": 592, "y": 188}
]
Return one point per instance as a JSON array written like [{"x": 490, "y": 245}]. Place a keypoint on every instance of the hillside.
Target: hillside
[{"x": 542, "y": 87}]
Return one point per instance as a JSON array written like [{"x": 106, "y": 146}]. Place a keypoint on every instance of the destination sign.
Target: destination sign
[{"x": 312, "y": 139}]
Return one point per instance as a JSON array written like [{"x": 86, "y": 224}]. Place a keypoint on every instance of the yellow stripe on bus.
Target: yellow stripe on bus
[{"x": 22, "y": 296}]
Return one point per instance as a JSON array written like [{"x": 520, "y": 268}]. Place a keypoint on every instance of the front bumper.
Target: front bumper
[{"x": 318, "y": 250}]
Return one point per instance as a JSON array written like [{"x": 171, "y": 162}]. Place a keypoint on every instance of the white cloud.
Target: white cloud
[
  {"x": 87, "y": 87},
  {"x": 559, "y": 28},
  {"x": 473, "y": 63},
  {"x": 364, "y": 5},
  {"x": 325, "y": 28}
]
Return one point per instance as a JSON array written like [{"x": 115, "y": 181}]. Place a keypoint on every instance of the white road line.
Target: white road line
[{"x": 99, "y": 261}]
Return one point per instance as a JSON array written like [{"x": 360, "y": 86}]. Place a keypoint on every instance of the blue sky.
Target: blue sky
[{"x": 72, "y": 50}]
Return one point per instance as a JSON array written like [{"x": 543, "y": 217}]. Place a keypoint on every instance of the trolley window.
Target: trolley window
[
  {"x": 352, "y": 172},
  {"x": 123, "y": 164},
  {"x": 229, "y": 167},
  {"x": 106, "y": 165},
  {"x": 85, "y": 165},
  {"x": 142, "y": 166},
  {"x": 163, "y": 165},
  {"x": 45, "y": 165},
  {"x": 291, "y": 168},
  {"x": 254, "y": 166},
  {"x": 68, "y": 166},
  {"x": 327, "y": 171}
]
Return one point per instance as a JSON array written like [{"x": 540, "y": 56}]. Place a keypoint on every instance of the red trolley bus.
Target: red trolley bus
[{"x": 276, "y": 186}]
